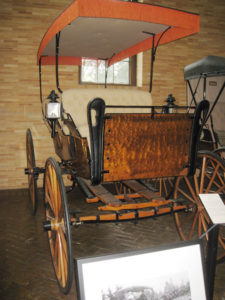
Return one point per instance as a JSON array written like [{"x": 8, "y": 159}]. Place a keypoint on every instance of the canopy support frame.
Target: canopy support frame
[
  {"x": 57, "y": 39},
  {"x": 40, "y": 85},
  {"x": 153, "y": 53},
  {"x": 209, "y": 115}
]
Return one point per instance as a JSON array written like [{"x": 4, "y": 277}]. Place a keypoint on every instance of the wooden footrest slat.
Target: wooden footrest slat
[
  {"x": 126, "y": 197},
  {"x": 134, "y": 206},
  {"x": 142, "y": 190},
  {"x": 102, "y": 193}
]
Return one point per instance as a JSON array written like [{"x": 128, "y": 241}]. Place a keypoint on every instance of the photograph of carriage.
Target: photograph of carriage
[
  {"x": 130, "y": 158},
  {"x": 163, "y": 273}
]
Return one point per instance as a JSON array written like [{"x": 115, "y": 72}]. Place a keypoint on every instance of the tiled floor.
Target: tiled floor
[{"x": 25, "y": 264}]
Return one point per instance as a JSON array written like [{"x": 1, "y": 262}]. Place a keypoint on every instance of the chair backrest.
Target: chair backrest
[{"x": 75, "y": 102}]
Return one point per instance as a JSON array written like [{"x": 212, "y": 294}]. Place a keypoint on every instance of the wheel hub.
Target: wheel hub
[{"x": 53, "y": 225}]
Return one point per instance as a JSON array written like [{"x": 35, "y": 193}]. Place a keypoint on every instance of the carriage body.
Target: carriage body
[{"x": 107, "y": 142}]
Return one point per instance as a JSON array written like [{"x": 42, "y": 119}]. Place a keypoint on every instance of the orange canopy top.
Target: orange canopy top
[{"x": 112, "y": 30}]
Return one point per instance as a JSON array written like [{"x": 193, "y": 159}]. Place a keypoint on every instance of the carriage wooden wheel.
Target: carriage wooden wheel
[
  {"x": 57, "y": 224},
  {"x": 31, "y": 165},
  {"x": 208, "y": 178}
]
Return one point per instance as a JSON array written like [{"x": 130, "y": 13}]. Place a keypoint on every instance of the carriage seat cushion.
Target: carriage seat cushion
[{"x": 75, "y": 102}]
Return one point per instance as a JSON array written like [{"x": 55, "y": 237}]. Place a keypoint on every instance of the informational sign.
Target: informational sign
[{"x": 214, "y": 206}]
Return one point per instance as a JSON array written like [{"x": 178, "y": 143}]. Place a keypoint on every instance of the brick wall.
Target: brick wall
[{"x": 23, "y": 24}]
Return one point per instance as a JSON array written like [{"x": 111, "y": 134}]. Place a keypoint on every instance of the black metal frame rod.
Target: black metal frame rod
[
  {"x": 216, "y": 100},
  {"x": 40, "y": 85},
  {"x": 191, "y": 90},
  {"x": 204, "y": 87},
  {"x": 211, "y": 259},
  {"x": 152, "y": 62},
  {"x": 147, "y": 106},
  {"x": 57, "y": 72},
  {"x": 153, "y": 53},
  {"x": 57, "y": 38}
]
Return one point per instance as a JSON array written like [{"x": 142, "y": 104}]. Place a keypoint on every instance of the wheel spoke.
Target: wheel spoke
[
  {"x": 199, "y": 225},
  {"x": 59, "y": 203},
  {"x": 50, "y": 196},
  {"x": 61, "y": 265},
  {"x": 59, "y": 262},
  {"x": 64, "y": 250},
  {"x": 196, "y": 184},
  {"x": 202, "y": 175},
  {"x": 56, "y": 247},
  {"x": 191, "y": 190},
  {"x": 165, "y": 187},
  {"x": 212, "y": 179},
  {"x": 205, "y": 215},
  {"x": 53, "y": 181},
  {"x": 186, "y": 220},
  {"x": 220, "y": 183},
  {"x": 204, "y": 225},
  {"x": 48, "y": 200},
  {"x": 182, "y": 192},
  {"x": 193, "y": 225}
]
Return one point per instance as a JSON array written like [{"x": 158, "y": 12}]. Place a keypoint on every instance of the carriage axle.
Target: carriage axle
[{"x": 34, "y": 171}]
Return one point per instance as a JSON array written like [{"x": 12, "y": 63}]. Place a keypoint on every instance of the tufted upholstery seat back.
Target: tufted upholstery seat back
[{"x": 75, "y": 102}]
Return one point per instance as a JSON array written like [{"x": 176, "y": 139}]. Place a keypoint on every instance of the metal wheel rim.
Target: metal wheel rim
[{"x": 31, "y": 164}]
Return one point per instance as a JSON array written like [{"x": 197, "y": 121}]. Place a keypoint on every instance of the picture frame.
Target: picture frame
[{"x": 144, "y": 274}]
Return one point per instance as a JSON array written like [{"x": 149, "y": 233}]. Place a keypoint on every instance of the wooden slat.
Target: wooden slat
[
  {"x": 142, "y": 190},
  {"x": 102, "y": 193},
  {"x": 126, "y": 197},
  {"x": 135, "y": 206}
]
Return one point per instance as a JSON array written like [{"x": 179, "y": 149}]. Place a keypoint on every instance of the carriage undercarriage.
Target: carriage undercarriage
[{"x": 129, "y": 200}]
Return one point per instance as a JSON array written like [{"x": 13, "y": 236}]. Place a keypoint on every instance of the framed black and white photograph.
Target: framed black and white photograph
[{"x": 169, "y": 273}]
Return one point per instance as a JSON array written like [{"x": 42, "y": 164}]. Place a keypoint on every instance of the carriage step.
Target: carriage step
[
  {"x": 142, "y": 190},
  {"x": 103, "y": 194}
]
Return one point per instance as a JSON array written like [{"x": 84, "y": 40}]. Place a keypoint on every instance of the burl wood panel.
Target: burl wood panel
[{"x": 137, "y": 146}]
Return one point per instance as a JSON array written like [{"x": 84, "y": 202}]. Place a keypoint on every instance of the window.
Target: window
[{"x": 96, "y": 71}]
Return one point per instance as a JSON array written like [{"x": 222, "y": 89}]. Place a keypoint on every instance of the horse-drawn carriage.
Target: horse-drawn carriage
[{"x": 118, "y": 136}]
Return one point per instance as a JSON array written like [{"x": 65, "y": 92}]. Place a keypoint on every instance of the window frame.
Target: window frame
[{"x": 132, "y": 75}]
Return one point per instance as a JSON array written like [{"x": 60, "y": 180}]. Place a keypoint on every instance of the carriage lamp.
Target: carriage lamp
[
  {"x": 170, "y": 107},
  {"x": 53, "y": 110}
]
